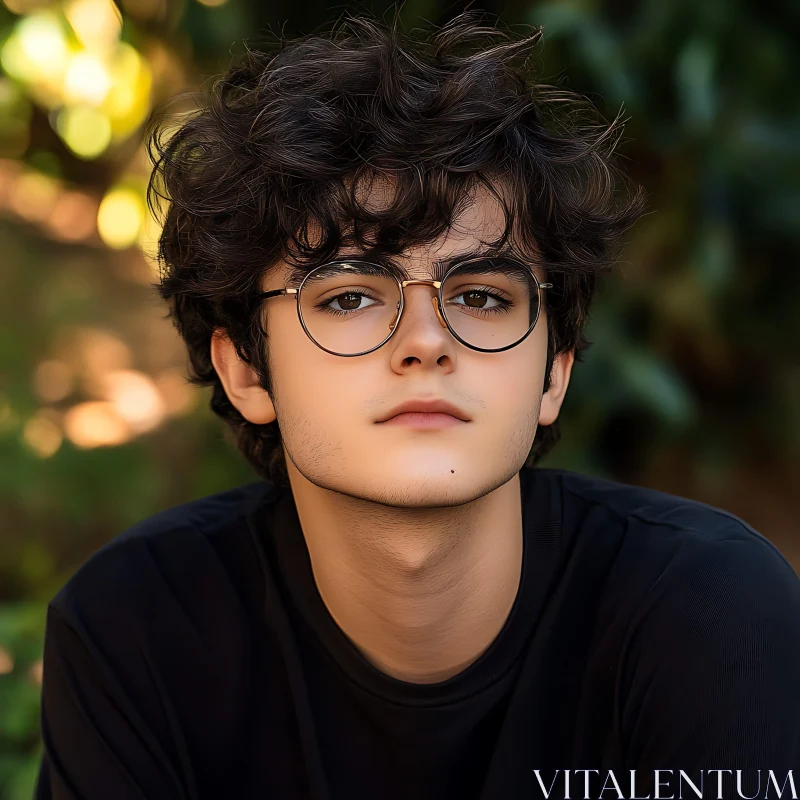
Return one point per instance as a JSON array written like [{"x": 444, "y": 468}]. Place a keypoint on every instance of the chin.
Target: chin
[
  {"x": 410, "y": 477},
  {"x": 426, "y": 482}
]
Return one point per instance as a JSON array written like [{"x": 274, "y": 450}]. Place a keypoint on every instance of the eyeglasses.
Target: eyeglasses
[{"x": 352, "y": 307}]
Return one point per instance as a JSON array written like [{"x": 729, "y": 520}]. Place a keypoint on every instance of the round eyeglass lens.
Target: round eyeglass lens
[
  {"x": 491, "y": 303},
  {"x": 347, "y": 308}
]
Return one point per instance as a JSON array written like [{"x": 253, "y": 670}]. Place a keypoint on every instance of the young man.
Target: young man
[{"x": 381, "y": 252}]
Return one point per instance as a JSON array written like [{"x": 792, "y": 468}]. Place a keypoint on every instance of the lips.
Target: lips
[{"x": 427, "y": 406}]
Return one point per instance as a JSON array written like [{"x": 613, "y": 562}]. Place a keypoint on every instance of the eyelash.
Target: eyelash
[
  {"x": 505, "y": 305},
  {"x": 504, "y": 308}
]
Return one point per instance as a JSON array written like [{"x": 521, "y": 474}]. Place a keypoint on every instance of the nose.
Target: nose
[{"x": 434, "y": 302}]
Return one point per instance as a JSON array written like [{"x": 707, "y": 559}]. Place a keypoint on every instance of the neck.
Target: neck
[{"x": 421, "y": 592}]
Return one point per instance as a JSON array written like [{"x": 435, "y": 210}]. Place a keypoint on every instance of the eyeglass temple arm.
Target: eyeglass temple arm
[{"x": 275, "y": 293}]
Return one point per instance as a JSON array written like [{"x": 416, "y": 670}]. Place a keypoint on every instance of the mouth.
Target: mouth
[
  {"x": 424, "y": 420},
  {"x": 428, "y": 410}
]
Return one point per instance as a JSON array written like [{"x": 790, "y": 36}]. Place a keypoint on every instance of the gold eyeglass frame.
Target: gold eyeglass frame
[{"x": 437, "y": 301}]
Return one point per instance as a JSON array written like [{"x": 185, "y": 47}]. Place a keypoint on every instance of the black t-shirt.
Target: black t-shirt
[{"x": 193, "y": 657}]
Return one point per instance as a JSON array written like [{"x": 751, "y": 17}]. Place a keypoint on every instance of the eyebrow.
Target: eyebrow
[{"x": 438, "y": 268}]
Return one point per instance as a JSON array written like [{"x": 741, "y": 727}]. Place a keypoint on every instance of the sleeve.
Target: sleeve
[
  {"x": 96, "y": 743},
  {"x": 712, "y": 675}
]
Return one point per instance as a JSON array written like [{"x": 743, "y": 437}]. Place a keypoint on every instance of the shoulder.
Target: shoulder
[
  {"x": 651, "y": 507},
  {"x": 164, "y": 553},
  {"x": 661, "y": 525},
  {"x": 679, "y": 568}
]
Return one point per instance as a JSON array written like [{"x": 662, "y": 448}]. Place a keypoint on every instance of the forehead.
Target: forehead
[{"x": 479, "y": 219}]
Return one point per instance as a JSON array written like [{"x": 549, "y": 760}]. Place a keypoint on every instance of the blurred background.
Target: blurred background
[{"x": 692, "y": 386}]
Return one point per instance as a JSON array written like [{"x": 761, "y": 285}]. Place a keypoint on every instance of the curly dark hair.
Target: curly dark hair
[{"x": 296, "y": 129}]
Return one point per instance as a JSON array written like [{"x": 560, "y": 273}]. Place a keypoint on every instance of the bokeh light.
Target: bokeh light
[
  {"x": 86, "y": 80},
  {"x": 128, "y": 103},
  {"x": 97, "y": 23},
  {"x": 85, "y": 130},
  {"x": 42, "y": 434},
  {"x": 53, "y": 380},
  {"x": 73, "y": 216},
  {"x": 136, "y": 399},
  {"x": 33, "y": 196},
  {"x": 37, "y": 53},
  {"x": 6, "y": 662},
  {"x": 178, "y": 395},
  {"x": 120, "y": 217},
  {"x": 97, "y": 353},
  {"x": 95, "y": 423}
]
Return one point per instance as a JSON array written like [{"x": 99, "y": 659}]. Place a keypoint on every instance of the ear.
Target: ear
[
  {"x": 240, "y": 381},
  {"x": 554, "y": 396}
]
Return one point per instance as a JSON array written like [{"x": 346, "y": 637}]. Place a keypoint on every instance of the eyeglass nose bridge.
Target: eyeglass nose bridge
[{"x": 434, "y": 300}]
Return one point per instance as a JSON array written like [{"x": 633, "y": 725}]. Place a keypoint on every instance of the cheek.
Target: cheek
[
  {"x": 513, "y": 381},
  {"x": 294, "y": 361},
  {"x": 314, "y": 387},
  {"x": 512, "y": 405}
]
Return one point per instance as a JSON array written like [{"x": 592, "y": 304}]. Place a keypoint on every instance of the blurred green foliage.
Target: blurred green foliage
[{"x": 692, "y": 386}]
